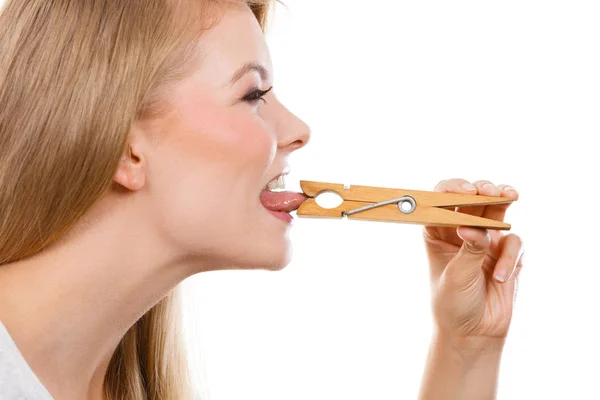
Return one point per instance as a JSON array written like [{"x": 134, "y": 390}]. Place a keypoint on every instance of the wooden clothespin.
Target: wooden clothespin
[{"x": 399, "y": 205}]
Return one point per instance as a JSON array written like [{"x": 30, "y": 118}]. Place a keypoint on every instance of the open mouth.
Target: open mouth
[
  {"x": 277, "y": 184},
  {"x": 278, "y": 201}
]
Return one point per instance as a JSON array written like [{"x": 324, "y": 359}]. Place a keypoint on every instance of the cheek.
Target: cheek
[
  {"x": 214, "y": 161},
  {"x": 228, "y": 137},
  {"x": 225, "y": 142}
]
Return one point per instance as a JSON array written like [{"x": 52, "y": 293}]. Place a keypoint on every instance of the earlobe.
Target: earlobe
[{"x": 131, "y": 172}]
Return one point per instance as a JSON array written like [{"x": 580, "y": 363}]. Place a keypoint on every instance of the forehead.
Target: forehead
[{"x": 235, "y": 40}]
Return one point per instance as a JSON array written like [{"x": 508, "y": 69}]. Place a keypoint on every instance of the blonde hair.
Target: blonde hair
[{"x": 74, "y": 76}]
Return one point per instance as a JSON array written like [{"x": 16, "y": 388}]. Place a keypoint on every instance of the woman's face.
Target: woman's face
[{"x": 218, "y": 150}]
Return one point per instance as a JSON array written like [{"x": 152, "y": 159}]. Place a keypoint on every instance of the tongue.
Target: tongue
[{"x": 281, "y": 201}]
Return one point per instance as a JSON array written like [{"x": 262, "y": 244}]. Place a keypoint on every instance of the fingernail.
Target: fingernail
[
  {"x": 488, "y": 185},
  {"x": 501, "y": 276},
  {"x": 468, "y": 186},
  {"x": 469, "y": 243},
  {"x": 508, "y": 188},
  {"x": 471, "y": 246}
]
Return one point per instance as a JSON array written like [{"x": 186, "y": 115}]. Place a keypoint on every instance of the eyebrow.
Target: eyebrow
[{"x": 249, "y": 67}]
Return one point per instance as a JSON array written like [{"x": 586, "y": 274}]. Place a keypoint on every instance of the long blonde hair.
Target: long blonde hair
[{"x": 74, "y": 75}]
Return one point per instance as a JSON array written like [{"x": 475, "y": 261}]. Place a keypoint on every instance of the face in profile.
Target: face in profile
[{"x": 226, "y": 137}]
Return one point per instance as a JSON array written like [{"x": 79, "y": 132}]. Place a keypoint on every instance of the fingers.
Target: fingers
[
  {"x": 450, "y": 186},
  {"x": 517, "y": 271},
  {"x": 496, "y": 212},
  {"x": 485, "y": 188},
  {"x": 468, "y": 261},
  {"x": 510, "y": 259},
  {"x": 473, "y": 235},
  {"x": 456, "y": 186},
  {"x": 481, "y": 187}
]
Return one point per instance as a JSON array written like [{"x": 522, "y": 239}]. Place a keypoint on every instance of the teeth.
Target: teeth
[{"x": 277, "y": 184}]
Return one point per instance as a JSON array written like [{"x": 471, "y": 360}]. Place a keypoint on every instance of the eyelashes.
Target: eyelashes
[{"x": 256, "y": 95}]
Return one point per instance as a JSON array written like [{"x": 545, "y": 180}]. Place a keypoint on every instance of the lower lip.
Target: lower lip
[{"x": 281, "y": 215}]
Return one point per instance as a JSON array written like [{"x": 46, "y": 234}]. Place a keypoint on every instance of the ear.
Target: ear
[{"x": 131, "y": 172}]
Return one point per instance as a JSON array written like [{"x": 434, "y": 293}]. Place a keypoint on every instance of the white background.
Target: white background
[{"x": 404, "y": 94}]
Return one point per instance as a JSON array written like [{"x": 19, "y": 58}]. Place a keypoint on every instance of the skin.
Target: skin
[
  {"x": 186, "y": 199},
  {"x": 473, "y": 274}
]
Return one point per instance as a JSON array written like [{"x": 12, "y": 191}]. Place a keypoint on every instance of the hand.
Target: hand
[{"x": 473, "y": 270}]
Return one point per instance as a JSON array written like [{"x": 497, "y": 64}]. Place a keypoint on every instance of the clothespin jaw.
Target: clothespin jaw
[{"x": 426, "y": 208}]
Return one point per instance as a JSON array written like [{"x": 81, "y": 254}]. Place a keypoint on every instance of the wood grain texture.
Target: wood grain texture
[
  {"x": 427, "y": 212},
  {"x": 376, "y": 194}
]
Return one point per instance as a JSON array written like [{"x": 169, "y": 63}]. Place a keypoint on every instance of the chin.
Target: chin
[
  {"x": 275, "y": 259},
  {"x": 278, "y": 263}
]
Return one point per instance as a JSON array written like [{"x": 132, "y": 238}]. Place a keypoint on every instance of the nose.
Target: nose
[{"x": 293, "y": 133}]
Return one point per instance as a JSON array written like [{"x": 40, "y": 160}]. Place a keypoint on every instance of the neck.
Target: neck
[{"x": 68, "y": 307}]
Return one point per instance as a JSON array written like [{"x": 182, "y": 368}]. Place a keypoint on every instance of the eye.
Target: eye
[{"x": 255, "y": 95}]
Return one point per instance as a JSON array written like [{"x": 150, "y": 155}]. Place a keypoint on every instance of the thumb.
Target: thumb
[{"x": 469, "y": 259}]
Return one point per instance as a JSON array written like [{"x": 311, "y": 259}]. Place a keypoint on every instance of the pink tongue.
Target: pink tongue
[{"x": 282, "y": 201}]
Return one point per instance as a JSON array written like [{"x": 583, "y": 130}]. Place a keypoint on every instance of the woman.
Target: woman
[{"x": 137, "y": 140}]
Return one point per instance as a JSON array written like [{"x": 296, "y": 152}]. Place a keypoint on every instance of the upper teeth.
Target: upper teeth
[{"x": 277, "y": 183}]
